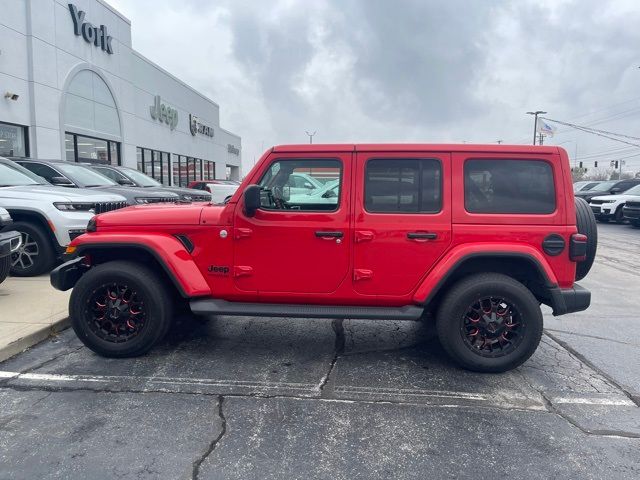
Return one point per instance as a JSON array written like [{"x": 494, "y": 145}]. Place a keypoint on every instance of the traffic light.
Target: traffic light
[
  {"x": 581, "y": 165},
  {"x": 616, "y": 164},
  {"x": 595, "y": 164}
]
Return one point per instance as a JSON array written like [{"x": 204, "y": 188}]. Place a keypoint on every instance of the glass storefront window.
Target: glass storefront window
[
  {"x": 209, "y": 171},
  {"x": 154, "y": 164},
  {"x": 165, "y": 169},
  {"x": 13, "y": 140},
  {"x": 70, "y": 147},
  {"x": 92, "y": 150},
  {"x": 139, "y": 158}
]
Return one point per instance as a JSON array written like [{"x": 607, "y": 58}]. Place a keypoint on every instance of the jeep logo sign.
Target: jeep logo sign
[
  {"x": 164, "y": 113},
  {"x": 96, "y": 35}
]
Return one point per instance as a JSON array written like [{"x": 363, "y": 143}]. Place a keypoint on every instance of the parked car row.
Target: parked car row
[
  {"x": 617, "y": 200},
  {"x": 51, "y": 202}
]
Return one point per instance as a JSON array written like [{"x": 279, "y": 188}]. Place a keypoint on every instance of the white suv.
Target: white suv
[
  {"x": 609, "y": 207},
  {"x": 47, "y": 217}
]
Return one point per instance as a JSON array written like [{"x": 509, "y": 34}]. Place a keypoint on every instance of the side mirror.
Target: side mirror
[
  {"x": 61, "y": 182},
  {"x": 125, "y": 182},
  {"x": 251, "y": 200},
  {"x": 615, "y": 190}
]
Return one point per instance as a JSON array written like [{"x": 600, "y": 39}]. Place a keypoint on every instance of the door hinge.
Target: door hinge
[
  {"x": 362, "y": 274},
  {"x": 242, "y": 271}
]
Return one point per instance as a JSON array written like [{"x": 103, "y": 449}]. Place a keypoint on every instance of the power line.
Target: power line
[{"x": 600, "y": 133}]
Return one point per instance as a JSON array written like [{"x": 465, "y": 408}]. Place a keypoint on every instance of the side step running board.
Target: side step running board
[{"x": 222, "y": 307}]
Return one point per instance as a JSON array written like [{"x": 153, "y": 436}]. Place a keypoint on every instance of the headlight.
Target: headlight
[
  {"x": 146, "y": 199},
  {"x": 74, "y": 207},
  {"x": 609, "y": 201},
  {"x": 92, "y": 226}
]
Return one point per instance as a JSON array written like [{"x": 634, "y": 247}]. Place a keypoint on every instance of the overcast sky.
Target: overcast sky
[{"x": 404, "y": 70}]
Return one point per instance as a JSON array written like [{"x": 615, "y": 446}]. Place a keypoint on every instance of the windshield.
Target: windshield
[
  {"x": 140, "y": 178},
  {"x": 603, "y": 187},
  {"x": 83, "y": 176},
  {"x": 633, "y": 191},
  {"x": 15, "y": 175}
]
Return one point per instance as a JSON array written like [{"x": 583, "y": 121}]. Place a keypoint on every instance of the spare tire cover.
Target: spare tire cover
[{"x": 586, "y": 224}]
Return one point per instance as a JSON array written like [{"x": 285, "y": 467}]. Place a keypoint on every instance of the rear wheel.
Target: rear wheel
[
  {"x": 489, "y": 323},
  {"x": 120, "y": 309},
  {"x": 35, "y": 255},
  {"x": 619, "y": 216}
]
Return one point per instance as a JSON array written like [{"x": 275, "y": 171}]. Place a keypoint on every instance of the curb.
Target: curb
[{"x": 33, "y": 338}]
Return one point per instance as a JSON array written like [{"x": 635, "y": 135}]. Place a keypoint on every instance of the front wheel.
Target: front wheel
[
  {"x": 489, "y": 323},
  {"x": 120, "y": 309}
]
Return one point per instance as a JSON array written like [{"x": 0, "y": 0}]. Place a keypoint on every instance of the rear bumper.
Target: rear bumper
[
  {"x": 66, "y": 275},
  {"x": 568, "y": 300},
  {"x": 9, "y": 242}
]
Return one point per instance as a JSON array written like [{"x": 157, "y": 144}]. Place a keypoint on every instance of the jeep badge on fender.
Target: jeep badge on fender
[{"x": 458, "y": 233}]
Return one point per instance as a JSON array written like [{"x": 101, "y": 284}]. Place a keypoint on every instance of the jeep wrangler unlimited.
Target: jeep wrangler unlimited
[{"x": 480, "y": 236}]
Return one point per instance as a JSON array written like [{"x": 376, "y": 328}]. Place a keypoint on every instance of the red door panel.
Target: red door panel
[
  {"x": 293, "y": 251},
  {"x": 393, "y": 250}
]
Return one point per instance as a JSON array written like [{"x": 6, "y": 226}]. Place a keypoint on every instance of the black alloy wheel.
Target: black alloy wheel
[
  {"x": 492, "y": 327},
  {"x": 489, "y": 322},
  {"x": 121, "y": 308}
]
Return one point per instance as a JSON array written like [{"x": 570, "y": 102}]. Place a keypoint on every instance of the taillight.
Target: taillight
[{"x": 578, "y": 247}]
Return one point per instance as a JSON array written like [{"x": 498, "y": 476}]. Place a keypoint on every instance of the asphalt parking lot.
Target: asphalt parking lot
[{"x": 256, "y": 398}]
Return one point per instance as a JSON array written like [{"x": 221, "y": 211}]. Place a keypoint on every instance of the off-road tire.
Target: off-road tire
[
  {"x": 586, "y": 223},
  {"x": 155, "y": 296},
  {"x": 45, "y": 258},
  {"x": 450, "y": 321},
  {"x": 5, "y": 265}
]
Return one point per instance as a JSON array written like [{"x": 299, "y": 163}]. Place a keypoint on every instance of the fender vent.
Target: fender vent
[
  {"x": 186, "y": 241},
  {"x": 553, "y": 245}
]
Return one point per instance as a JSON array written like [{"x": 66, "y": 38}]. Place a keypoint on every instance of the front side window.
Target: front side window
[
  {"x": 509, "y": 186},
  {"x": 403, "y": 185},
  {"x": 280, "y": 190}
]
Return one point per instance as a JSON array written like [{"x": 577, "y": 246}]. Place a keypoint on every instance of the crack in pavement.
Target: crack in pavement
[
  {"x": 338, "y": 328},
  {"x": 212, "y": 446},
  {"x": 591, "y": 336},
  {"x": 589, "y": 364},
  {"x": 551, "y": 408}
]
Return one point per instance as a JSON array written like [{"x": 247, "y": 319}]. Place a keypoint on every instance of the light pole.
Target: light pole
[
  {"x": 311, "y": 135},
  {"x": 535, "y": 122}
]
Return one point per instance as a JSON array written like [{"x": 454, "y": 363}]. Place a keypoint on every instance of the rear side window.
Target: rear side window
[
  {"x": 509, "y": 186},
  {"x": 403, "y": 185}
]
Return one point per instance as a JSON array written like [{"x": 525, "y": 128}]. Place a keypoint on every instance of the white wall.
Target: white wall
[{"x": 40, "y": 53}]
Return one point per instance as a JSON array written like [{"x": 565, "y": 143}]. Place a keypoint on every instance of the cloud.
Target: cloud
[{"x": 400, "y": 71}]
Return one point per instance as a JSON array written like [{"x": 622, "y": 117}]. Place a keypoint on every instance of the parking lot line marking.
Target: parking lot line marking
[{"x": 505, "y": 398}]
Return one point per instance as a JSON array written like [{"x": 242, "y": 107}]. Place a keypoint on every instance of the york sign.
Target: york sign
[
  {"x": 96, "y": 35},
  {"x": 164, "y": 113}
]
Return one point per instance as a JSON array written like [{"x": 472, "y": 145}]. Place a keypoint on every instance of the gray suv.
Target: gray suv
[
  {"x": 134, "y": 178},
  {"x": 68, "y": 174}
]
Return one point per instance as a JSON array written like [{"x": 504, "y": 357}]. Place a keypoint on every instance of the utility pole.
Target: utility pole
[
  {"x": 311, "y": 135},
  {"x": 535, "y": 122},
  {"x": 540, "y": 139}
]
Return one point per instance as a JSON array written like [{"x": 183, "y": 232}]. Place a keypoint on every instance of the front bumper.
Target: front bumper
[
  {"x": 9, "y": 242},
  {"x": 66, "y": 275},
  {"x": 568, "y": 300}
]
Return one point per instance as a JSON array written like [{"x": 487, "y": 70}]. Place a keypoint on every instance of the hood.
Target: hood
[
  {"x": 131, "y": 193},
  {"x": 58, "y": 194},
  {"x": 617, "y": 198},
  {"x": 187, "y": 192},
  {"x": 157, "y": 214}
]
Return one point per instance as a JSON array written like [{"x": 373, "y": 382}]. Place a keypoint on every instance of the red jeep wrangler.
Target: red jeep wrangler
[{"x": 478, "y": 235}]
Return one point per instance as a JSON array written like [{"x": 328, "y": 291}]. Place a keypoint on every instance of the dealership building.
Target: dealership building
[{"x": 72, "y": 87}]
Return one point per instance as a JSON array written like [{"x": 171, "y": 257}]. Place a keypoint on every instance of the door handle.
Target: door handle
[
  {"x": 323, "y": 234},
  {"x": 422, "y": 236}
]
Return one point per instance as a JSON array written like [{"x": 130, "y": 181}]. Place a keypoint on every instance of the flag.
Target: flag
[{"x": 546, "y": 128}]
